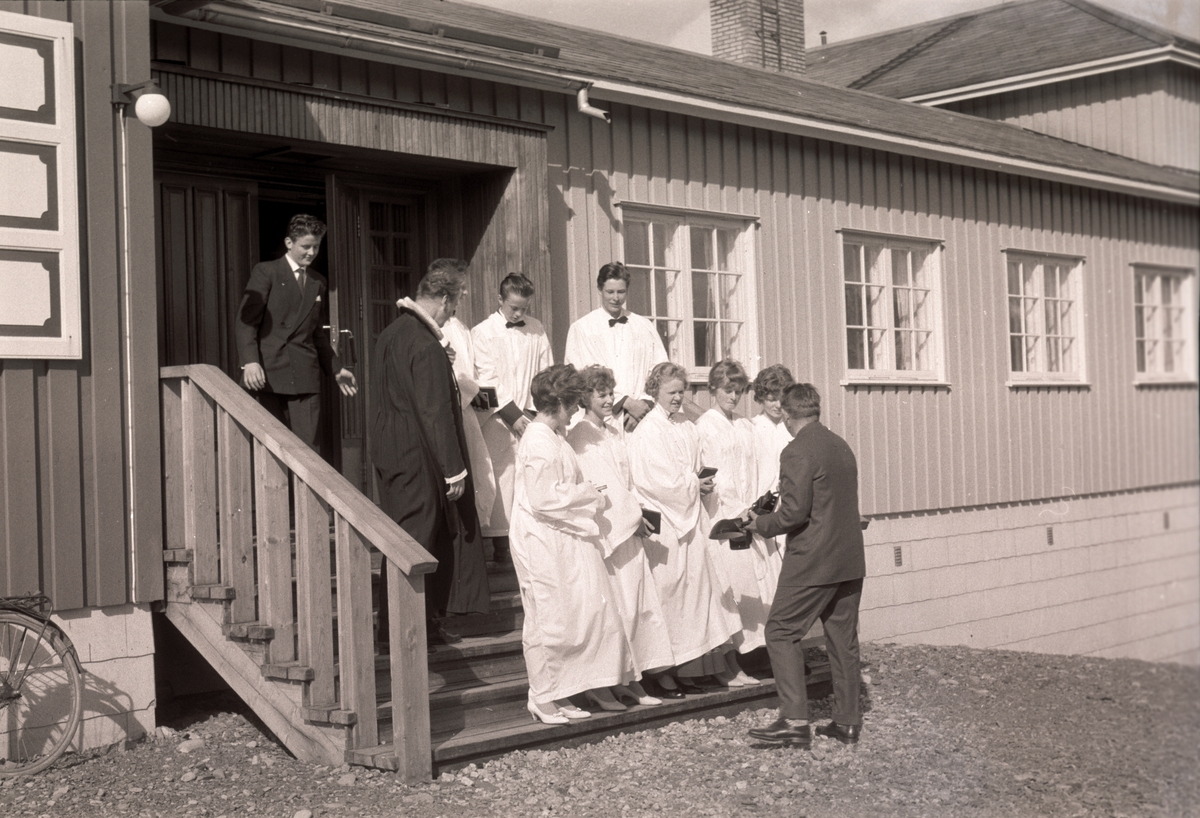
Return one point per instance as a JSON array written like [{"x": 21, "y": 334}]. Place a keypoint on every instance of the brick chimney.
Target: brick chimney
[{"x": 763, "y": 33}]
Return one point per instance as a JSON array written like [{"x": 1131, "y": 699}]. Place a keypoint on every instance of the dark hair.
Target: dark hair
[
  {"x": 727, "y": 373},
  {"x": 801, "y": 400},
  {"x": 771, "y": 382},
  {"x": 446, "y": 282},
  {"x": 612, "y": 270},
  {"x": 516, "y": 284},
  {"x": 666, "y": 371},
  {"x": 302, "y": 225},
  {"x": 453, "y": 265},
  {"x": 595, "y": 379},
  {"x": 556, "y": 386}
]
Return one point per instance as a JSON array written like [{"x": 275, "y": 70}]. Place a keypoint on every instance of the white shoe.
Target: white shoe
[
  {"x": 744, "y": 679},
  {"x": 571, "y": 711},
  {"x": 635, "y": 693},
  {"x": 556, "y": 717}
]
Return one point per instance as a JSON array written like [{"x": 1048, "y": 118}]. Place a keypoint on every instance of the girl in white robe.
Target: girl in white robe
[
  {"x": 770, "y": 438},
  {"x": 599, "y": 443},
  {"x": 664, "y": 454},
  {"x": 727, "y": 443},
  {"x": 572, "y": 637}
]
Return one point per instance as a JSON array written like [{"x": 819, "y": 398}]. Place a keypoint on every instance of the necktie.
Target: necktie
[
  {"x": 511, "y": 324},
  {"x": 301, "y": 278},
  {"x": 624, "y": 319}
]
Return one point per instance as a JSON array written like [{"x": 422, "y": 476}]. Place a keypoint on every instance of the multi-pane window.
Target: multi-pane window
[
  {"x": 1162, "y": 302},
  {"x": 891, "y": 307},
  {"x": 691, "y": 276},
  {"x": 1044, "y": 340}
]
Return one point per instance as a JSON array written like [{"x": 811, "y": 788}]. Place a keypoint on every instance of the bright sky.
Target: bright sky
[{"x": 685, "y": 24}]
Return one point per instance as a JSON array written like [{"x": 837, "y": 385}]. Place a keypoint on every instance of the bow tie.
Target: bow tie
[
  {"x": 624, "y": 319},
  {"x": 511, "y": 324}
]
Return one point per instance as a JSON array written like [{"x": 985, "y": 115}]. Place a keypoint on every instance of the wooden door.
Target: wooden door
[
  {"x": 207, "y": 243},
  {"x": 376, "y": 241}
]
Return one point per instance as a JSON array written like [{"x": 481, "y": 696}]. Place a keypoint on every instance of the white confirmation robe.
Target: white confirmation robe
[
  {"x": 456, "y": 334},
  {"x": 506, "y": 358},
  {"x": 729, "y": 446},
  {"x": 630, "y": 349},
  {"x": 770, "y": 438},
  {"x": 700, "y": 612},
  {"x": 572, "y": 637},
  {"x": 605, "y": 462}
]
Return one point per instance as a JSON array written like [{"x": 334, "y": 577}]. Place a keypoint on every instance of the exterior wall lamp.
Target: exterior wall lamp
[{"x": 150, "y": 104}]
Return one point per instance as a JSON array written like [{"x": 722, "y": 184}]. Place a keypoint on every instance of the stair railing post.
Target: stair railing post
[
  {"x": 274, "y": 551},
  {"x": 356, "y": 645},
  {"x": 314, "y": 597},
  {"x": 410, "y": 675}
]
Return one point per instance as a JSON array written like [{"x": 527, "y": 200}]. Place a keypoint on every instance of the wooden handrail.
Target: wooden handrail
[
  {"x": 380, "y": 529},
  {"x": 246, "y": 497}
]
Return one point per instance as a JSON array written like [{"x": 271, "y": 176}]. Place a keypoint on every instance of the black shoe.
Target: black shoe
[
  {"x": 845, "y": 733},
  {"x": 669, "y": 693},
  {"x": 436, "y": 634},
  {"x": 500, "y": 551},
  {"x": 780, "y": 731},
  {"x": 697, "y": 685}
]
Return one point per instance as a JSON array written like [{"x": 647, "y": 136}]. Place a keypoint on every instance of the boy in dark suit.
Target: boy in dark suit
[
  {"x": 823, "y": 570},
  {"x": 282, "y": 345}
]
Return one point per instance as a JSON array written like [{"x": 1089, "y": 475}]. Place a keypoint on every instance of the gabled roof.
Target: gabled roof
[
  {"x": 1036, "y": 37},
  {"x": 478, "y": 41}
]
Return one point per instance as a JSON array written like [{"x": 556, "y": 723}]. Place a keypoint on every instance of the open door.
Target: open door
[
  {"x": 376, "y": 255},
  {"x": 207, "y": 242}
]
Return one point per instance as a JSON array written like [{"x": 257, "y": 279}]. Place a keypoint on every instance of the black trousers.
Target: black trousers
[
  {"x": 793, "y": 613},
  {"x": 300, "y": 413}
]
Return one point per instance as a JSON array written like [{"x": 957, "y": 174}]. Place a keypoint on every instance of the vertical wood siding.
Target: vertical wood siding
[
  {"x": 977, "y": 442},
  {"x": 1151, "y": 113},
  {"x": 69, "y": 525}
]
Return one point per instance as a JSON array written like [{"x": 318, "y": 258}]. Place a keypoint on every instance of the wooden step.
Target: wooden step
[{"x": 506, "y": 725}]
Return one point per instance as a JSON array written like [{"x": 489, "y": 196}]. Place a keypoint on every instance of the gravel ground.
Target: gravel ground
[{"x": 947, "y": 732}]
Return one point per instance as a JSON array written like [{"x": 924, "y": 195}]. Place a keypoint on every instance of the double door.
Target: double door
[{"x": 209, "y": 238}]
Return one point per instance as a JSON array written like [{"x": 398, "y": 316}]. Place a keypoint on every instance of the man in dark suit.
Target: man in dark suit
[
  {"x": 282, "y": 345},
  {"x": 823, "y": 570},
  {"x": 419, "y": 450}
]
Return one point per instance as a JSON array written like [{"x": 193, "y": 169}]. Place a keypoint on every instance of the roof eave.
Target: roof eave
[
  {"x": 879, "y": 140},
  {"x": 1150, "y": 56}
]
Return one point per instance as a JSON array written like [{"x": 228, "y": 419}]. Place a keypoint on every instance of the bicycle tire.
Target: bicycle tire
[{"x": 41, "y": 694}]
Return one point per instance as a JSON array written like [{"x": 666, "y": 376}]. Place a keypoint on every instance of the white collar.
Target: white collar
[
  {"x": 407, "y": 303},
  {"x": 292, "y": 263}
]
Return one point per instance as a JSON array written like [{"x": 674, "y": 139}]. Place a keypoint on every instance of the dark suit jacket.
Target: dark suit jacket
[
  {"x": 417, "y": 443},
  {"x": 280, "y": 327},
  {"x": 818, "y": 510}
]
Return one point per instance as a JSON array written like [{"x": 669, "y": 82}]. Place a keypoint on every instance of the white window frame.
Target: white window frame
[
  {"x": 1042, "y": 375},
  {"x": 1183, "y": 329},
  {"x": 680, "y": 307},
  {"x": 935, "y": 371},
  {"x": 41, "y": 317}
]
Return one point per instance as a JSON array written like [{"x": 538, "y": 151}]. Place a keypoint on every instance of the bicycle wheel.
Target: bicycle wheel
[{"x": 41, "y": 694}]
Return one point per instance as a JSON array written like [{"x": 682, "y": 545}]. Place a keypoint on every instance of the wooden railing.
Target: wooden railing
[{"x": 237, "y": 482}]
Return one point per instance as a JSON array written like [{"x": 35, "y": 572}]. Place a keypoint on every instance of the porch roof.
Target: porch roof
[{"x": 473, "y": 40}]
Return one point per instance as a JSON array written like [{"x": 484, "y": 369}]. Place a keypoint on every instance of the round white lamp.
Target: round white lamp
[{"x": 150, "y": 105}]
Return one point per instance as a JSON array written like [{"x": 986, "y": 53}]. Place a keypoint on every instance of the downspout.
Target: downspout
[{"x": 587, "y": 108}]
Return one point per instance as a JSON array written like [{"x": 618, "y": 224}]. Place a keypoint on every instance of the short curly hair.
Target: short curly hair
[
  {"x": 555, "y": 387},
  {"x": 614, "y": 270},
  {"x": 770, "y": 382},
  {"x": 666, "y": 371},
  {"x": 442, "y": 282},
  {"x": 302, "y": 225},
  {"x": 595, "y": 378},
  {"x": 727, "y": 373},
  {"x": 801, "y": 400}
]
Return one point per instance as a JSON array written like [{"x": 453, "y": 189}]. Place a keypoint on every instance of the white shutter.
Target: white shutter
[{"x": 39, "y": 218}]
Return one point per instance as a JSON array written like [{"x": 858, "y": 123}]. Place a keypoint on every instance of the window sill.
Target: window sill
[
  {"x": 884, "y": 380},
  {"x": 1047, "y": 384},
  {"x": 1152, "y": 382}
]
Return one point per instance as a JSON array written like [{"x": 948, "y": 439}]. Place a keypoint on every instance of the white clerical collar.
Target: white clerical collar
[{"x": 407, "y": 303}]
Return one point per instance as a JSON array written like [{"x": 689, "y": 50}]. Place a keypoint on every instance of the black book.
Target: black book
[{"x": 653, "y": 520}]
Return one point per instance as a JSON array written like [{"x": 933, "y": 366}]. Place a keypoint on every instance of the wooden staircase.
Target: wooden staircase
[{"x": 272, "y": 569}]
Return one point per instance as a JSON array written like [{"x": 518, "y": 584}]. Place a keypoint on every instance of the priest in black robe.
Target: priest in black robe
[{"x": 420, "y": 453}]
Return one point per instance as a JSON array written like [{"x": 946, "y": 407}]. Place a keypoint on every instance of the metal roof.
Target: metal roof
[
  {"x": 1009, "y": 40},
  {"x": 625, "y": 70}
]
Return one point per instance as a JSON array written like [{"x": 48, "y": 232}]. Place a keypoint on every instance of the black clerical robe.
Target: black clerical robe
[{"x": 416, "y": 444}]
